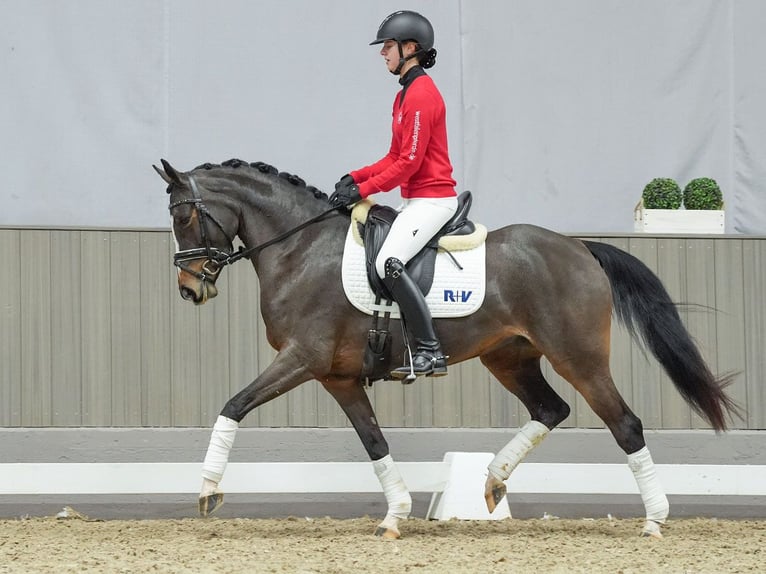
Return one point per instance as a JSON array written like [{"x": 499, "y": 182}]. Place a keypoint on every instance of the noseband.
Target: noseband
[{"x": 213, "y": 255}]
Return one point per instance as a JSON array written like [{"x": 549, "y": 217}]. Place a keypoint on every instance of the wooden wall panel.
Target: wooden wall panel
[
  {"x": 10, "y": 329},
  {"x": 754, "y": 273},
  {"x": 66, "y": 328},
  {"x": 125, "y": 336},
  {"x": 730, "y": 316},
  {"x": 94, "y": 333},
  {"x": 35, "y": 376},
  {"x": 671, "y": 265},
  {"x": 95, "y": 320},
  {"x": 156, "y": 281},
  {"x": 643, "y": 392}
]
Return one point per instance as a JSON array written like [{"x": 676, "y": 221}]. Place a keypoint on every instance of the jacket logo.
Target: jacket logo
[{"x": 415, "y": 133}]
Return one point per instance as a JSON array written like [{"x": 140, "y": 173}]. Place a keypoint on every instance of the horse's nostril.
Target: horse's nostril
[{"x": 187, "y": 294}]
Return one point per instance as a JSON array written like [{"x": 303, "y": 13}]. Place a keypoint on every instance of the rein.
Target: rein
[
  {"x": 217, "y": 256},
  {"x": 242, "y": 253}
]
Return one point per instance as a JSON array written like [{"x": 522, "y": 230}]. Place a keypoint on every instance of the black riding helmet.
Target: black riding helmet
[{"x": 406, "y": 25}]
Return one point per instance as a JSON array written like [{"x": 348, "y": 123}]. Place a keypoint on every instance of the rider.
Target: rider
[{"x": 418, "y": 163}]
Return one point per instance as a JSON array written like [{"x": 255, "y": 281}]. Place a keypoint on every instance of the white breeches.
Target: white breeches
[{"x": 418, "y": 221}]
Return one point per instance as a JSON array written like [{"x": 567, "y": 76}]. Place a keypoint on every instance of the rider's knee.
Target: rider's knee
[
  {"x": 392, "y": 268},
  {"x": 382, "y": 264}
]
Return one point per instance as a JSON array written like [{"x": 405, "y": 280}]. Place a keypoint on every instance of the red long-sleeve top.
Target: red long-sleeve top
[{"x": 418, "y": 160}]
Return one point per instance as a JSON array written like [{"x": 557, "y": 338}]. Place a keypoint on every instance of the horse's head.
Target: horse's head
[{"x": 204, "y": 224}]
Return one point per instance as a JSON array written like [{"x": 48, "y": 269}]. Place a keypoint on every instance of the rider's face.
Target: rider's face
[{"x": 390, "y": 52}]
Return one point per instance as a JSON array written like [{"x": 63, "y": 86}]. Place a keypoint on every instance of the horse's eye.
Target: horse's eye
[{"x": 184, "y": 220}]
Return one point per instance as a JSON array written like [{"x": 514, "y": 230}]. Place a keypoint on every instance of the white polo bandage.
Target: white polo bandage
[
  {"x": 221, "y": 441},
  {"x": 528, "y": 437},
  {"x": 652, "y": 494},
  {"x": 397, "y": 495}
]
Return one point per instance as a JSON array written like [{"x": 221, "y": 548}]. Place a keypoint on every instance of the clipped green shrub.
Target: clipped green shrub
[
  {"x": 703, "y": 193},
  {"x": 662, "y": 193}
]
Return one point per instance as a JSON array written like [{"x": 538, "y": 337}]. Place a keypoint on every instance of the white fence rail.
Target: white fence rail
[{"x": 457, "y": 483}]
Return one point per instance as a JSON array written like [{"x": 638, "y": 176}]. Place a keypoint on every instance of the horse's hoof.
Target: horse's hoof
[
  {"x": 210, "y": 503},
  {"x": 651, "y": 530},
  {"x": 493, "y": 493},
  {"x": 387, "y": 533}
]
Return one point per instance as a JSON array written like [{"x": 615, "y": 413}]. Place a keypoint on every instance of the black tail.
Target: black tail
[{"x": 644, "y": 307}]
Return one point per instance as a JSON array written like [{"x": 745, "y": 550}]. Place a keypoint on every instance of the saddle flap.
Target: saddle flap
[{"x": 375, "y": 230}]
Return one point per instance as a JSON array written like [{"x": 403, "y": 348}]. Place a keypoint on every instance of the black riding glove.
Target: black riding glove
[
  {"x": 344, "y": 181},
  {"x": 346, "y": 193}
]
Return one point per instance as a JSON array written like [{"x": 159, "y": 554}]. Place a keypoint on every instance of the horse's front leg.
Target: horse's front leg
[
  {"x": 283, "y": 374},
  {"x": 353, "y": 400}
]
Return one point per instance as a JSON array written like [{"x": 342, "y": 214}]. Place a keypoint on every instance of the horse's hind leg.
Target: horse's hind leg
[
  {"x": 591, "y": 377},
  {"x": 517, "y": 367}
]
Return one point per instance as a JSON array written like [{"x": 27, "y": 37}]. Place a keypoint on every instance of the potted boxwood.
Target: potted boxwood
[
  {"x": 703, "y": 193},
  {"x": 662, "y": 193},
  {"x": 658, "y": 211}
]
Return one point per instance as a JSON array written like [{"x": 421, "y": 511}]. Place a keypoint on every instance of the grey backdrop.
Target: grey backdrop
[{"x": 559, "y": 112}]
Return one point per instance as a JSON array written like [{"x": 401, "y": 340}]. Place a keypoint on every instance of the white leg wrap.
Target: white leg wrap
[
  {"x": 655, "y": 501},
  {"x": 528, "y": 437},
  {"x": 221, "y": 441},
  {"x": 397, "y": 495}
]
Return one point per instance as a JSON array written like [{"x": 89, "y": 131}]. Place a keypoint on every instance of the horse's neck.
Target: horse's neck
[
  {"x": 266, "y": 218},
  {"x": 296, "y": 273},
  {"x": 304, "y": 247}
]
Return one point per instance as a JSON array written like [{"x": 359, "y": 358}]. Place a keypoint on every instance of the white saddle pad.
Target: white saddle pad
[{"x": 454, "y": 293}]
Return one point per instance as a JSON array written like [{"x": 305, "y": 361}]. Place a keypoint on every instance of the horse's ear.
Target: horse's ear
[{"x": 169, "y": 174}]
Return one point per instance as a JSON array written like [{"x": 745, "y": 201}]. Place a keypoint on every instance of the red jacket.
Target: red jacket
[{"x": 418, "y": 161}]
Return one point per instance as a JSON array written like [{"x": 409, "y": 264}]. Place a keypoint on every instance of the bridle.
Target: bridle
[{"x": 212, "y": 255}]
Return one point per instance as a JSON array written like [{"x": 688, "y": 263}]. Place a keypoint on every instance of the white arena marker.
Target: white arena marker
[{"x": 463, "y": 496}]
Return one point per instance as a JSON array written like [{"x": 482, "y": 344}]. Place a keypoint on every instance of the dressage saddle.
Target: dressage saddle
[{"x": 421, "y": 267}]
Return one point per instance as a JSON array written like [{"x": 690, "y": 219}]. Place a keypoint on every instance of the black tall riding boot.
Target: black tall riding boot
[{"x": 428, "y": 359}]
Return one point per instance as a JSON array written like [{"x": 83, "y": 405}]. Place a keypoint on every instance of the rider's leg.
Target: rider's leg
[
  {"x": 418, "y": 222},
  {"x": 428, "y": 359}
]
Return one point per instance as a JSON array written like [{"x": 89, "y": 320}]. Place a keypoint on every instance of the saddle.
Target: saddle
[{"x": 373, "y": 224}]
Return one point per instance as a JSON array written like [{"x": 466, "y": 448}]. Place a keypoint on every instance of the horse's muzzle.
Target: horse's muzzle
[
  {"x": 204, "y": 290},
  {"x": 198, "y": 284}
]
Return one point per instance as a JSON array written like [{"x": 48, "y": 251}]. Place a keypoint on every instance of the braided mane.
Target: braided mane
[{"x": 266, "y": 169}]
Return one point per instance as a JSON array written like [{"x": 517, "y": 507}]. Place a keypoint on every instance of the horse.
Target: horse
[{"x": 547, "y": 295}]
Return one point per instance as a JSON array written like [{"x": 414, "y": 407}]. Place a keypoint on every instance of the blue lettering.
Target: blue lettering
[{"x": 457, "y": 296}]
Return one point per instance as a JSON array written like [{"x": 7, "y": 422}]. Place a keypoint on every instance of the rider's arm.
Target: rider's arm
[{"x": 407, "y": 150}]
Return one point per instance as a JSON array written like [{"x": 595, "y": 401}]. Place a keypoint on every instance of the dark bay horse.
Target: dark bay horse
[{"x": 546, "y": 295}]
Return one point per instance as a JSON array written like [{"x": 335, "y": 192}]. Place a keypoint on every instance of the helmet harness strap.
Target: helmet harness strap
[{"x": 402, "y": 59}]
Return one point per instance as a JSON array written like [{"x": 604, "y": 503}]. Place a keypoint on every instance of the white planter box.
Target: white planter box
[{"x": 677, "y": 220}]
